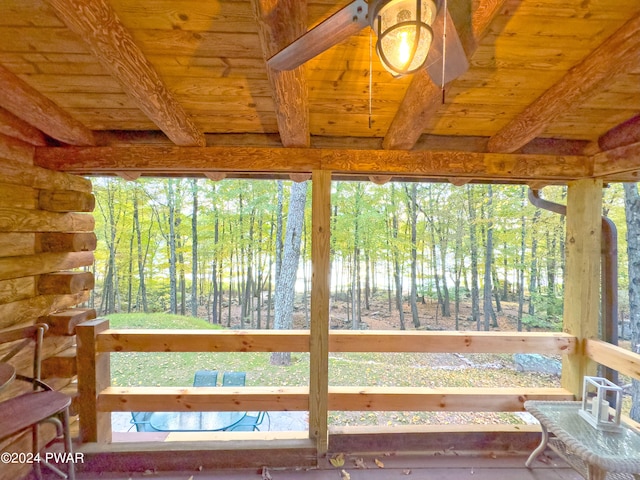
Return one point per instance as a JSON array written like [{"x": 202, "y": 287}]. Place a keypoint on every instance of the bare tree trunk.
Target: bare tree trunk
[
  {"x": 523, "y": 232},
  {"x": 413, "y": 213},
  {"x": 473, "y": 241},
  {"x": 173, "y": 287},
  {"x": 488, "y": 307},
  {"x": 534, "y": 261},
  {"x": 397, "y": 273},
  {"x": 194, "y": 249},
  {"x": 285, "y": 287},
  {"x": 632, "y": 210},
  {"x": 136, "y": 222}
]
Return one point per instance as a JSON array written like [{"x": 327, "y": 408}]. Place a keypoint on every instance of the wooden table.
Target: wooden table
[
  {"x": 7, "y": 374},
  {"x": 595, "y": 454}
]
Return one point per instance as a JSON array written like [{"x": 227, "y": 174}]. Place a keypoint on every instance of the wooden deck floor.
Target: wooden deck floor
[{"x": 412, "y": 467}]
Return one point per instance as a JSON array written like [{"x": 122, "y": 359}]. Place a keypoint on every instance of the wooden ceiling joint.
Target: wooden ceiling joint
[
  {"x": 279, "y": 24},
  {"x": 617, "y": 55},
  {"x": 99, "y": 27},
  {"x": 423, "y": 97}
]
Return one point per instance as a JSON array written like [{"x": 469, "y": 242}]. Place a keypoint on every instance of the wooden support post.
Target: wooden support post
[
  {"x": 582, "y": 282},
  {"x": 320, "y": 290},
  {"x": 93, "y": 376}
]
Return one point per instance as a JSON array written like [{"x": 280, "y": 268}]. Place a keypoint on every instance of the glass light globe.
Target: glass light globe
[{"x": 404, "y": 33}]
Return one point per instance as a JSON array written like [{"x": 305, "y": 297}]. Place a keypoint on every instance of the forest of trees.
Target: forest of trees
[
  {"x": 215, "y": 249},
  {"x": 237, "y": 253}
]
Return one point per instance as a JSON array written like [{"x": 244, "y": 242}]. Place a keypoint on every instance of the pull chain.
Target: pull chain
[
  {"x": 444, "y": 47},
  {"x": 370, "y": 77}
]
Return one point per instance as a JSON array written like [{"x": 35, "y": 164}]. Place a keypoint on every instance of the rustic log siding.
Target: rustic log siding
[{"x": 37, "y": 205}]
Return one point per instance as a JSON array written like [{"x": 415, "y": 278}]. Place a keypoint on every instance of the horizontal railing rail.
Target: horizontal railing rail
[
  {"x": 613, "y": 356},
  {"x": 136, "y": 340},
  {"x": 97, "y": 342}
]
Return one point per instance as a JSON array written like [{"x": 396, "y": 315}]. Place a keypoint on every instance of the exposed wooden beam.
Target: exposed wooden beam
[
  {"x": 538, "y": 146},
  {"x": 615, "y": 56},
  {"x": 100, "y": 28},
  {"x": 162, "y": 160},
  {"x": 27, "y": 103},
  {"x": 624, "y": 134},
  {"x": 15, "y": 127},
  {"x": 619, "y": 161},
  {"x": 423, "y": 97},
  {"x": 279, "y": 24}
]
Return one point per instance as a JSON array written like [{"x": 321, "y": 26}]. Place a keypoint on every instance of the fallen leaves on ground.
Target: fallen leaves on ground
[
  {"x": 406, "y": 471},
  {"x": 378, "y": 463},
  {"x": 359, "y": 463},
  {"x": 345, "y": 475},
  {"x": 337, "y": 460}
]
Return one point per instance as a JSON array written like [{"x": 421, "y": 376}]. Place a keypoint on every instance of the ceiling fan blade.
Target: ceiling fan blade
[
  {"x": 455, "y": 58},
  {"x": 338, "y": 27}
]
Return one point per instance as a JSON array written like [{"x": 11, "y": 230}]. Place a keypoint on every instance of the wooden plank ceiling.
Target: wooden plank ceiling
[{"x": 552, "y": 94}]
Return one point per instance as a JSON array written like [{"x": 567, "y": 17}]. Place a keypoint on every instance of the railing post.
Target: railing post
[
  {"x": 320, "y": 289},
  {"x": 93, "y": 376},
  {"x": 582, "y": 277}
]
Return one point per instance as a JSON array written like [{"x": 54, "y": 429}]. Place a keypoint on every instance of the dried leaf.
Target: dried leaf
[
  {"x": 265, "y": 474},
  {"x": 406, "y": 471},
  {"x": 345, "y": 475},
  {"x": 359, "y": 463},
  {"x": 337, "y": 460},
  {"x": 378, "y": 463}
]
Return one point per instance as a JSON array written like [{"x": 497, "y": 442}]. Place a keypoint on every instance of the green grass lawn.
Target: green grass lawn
[{"x": 362, "y": 369}]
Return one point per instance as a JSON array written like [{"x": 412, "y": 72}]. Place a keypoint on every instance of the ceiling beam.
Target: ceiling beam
[
  {"x": 423, "y": 97},
  {"x": 99, "y": 27},
  {"x": 31, "y": 106},
  {"x": 618, "y": 161},
  {"x": 15, "y": 127},
  {"x": 164, "y": 160},
  {"x": 279, "y": 24},
  {"x": 624, "y": 134},
  {"x": 615, "y": 56}
]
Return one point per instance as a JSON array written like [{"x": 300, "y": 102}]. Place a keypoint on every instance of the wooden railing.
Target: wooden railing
[
  {"x": 98, "y": 399},
  {"x": 612, "y": 356}
]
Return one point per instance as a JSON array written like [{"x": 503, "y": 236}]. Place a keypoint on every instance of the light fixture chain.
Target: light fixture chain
[
  {"x": 444, "y": 47},
  {"x": 370, "y": 75}
]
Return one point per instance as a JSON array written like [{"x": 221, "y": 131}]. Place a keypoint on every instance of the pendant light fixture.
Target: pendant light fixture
[{"x": 404, "y": 33}]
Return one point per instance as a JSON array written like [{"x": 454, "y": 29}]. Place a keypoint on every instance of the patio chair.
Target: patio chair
[
  {"x": 249, "y": 423},
  {"x": 43, "y": 404},
  {"x": 141, "y": 421},
  {"x": 233, "y": 379},
  {"x": 205, "y": 378}
]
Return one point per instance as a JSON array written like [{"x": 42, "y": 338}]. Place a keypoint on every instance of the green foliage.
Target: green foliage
[{"x": 542, "y": 323}]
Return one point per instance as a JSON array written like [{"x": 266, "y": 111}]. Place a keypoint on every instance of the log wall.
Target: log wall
[{"x": 46, "y": 243}]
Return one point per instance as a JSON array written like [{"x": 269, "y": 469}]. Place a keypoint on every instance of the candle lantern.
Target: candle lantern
[{"x": 595, "y": 407}]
